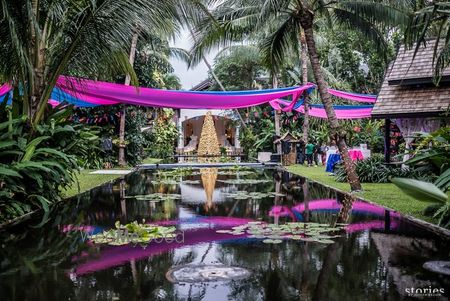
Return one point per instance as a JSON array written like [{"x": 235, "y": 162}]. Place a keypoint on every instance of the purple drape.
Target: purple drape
[{"x": 103, "y": 93}]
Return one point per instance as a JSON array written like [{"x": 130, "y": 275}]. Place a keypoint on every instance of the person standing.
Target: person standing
[
  {"x": 323, "y": 153},
  {"x": 309, "y": 151},
  {"x": 300, "y": 148}
]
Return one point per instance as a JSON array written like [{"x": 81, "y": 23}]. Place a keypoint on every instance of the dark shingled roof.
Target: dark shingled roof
[
  {"x": 403, "y": 72},
  {"x": 407, "y": 90},
  {"x": 204, "y": 85}
]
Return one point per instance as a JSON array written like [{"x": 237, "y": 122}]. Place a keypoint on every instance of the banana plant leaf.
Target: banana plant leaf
[
  {"x": 443, "y": 182},
  {"x": 420, "y": 190}
]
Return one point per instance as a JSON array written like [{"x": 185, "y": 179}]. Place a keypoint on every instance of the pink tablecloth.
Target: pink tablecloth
[{"x": 355, "y": 154}]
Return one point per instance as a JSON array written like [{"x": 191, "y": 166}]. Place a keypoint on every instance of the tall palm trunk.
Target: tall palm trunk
[
  {"x": 304, "y": 58},
  {"x": 337, "y": 133},
  {"x": 37, "y": 52},
  {"x": 277, "y": 115},
  {"x": 122, "y": 160}
]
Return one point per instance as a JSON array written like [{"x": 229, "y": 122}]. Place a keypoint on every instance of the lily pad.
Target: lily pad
[
  {"x": 132, "y": 233},
  {"x": 165, "y": 182},
  {"x": 272, "y": 241},
  {"x": 155, "y": 197},
  {"x": 244, "y": 181},
  {"x": 310, "y": 232},
  {"x": 191, "y": 182}
]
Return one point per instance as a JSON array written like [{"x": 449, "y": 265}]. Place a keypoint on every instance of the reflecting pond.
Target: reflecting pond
[{"x": 236, "y": 234}]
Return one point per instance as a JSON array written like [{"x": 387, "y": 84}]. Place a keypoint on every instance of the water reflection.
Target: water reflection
[{"x": 379, "y": 255}]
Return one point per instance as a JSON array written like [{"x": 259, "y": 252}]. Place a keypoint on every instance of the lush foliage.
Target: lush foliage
[
  {"x": 133, "y": 135},
  {"x": 433, "y": 153},
  {"x": 238, "y": 68},
  {"x": 34, "y": 167},
  {"x": 44, "y": 39},
  {"x": 373, "y": 170},
  {"x": 152, "y": 65},
  {"x": 164, "y": 135}
]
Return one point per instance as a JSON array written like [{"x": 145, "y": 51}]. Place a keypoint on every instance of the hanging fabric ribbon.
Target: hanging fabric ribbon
[
  {"x": 88, "y": 93},
  {"x": 353, "y": 96},
  {"x": 342, "y": 111},
  {"x": 103, "y": 93}
]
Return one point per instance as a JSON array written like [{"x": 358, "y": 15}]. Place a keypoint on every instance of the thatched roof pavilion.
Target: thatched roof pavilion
[{"x": 409, "y": 96}]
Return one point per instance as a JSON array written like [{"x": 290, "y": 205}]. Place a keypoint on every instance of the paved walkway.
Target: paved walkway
[{"x": 111, "y": 172}]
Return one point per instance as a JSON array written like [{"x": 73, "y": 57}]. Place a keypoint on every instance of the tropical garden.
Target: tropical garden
[
  {"x": 345, "y": 45},
  {"x": 355, "y": 232}
]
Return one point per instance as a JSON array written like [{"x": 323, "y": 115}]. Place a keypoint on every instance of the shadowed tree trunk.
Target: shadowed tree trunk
[
  {"x": 336, "y": 132},
  {"x": 122, "y": 161},
  {"x": 276, "y": 115},
  {"x": 304, "y": 58}
]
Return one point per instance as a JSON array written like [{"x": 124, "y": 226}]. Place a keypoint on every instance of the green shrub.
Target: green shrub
[
  {"x": 134, "y": 137},
  {"x": 373, "y": 170},
  {"x": 164, "y": 135},
  {"x": 34, "y": 166}
]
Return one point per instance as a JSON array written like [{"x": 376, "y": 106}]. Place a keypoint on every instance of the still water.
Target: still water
[{"x": 376, "y": 255}]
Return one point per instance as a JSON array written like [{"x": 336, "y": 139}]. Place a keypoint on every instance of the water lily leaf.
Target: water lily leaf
[
  {"x": 192, "y": 182},
  {"x": 297, "y": 237},
  {"x": 325, "y": 241},
  {"x": 244, "y": 181},
  {"x": 277, "y": 194},
  {"x": 155, "y": 197},
  {"x": 272, "y": 241}
]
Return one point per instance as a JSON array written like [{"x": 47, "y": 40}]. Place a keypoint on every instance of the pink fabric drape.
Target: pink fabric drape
[
  {"x": 355, "y": 154},
  {"x": 103, "y": 93},
  {"x": 353, "y": 96},
  {"x": 320, "y": 113},
  {"x": 340, "y": 114},
  {"x": 5, "y": 88}
]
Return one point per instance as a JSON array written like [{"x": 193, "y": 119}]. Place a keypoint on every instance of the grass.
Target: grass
[
  {"x": 385, "y": 194},
  {"x": 88, "y": 181},
  {"x": 151, "y": 161}
]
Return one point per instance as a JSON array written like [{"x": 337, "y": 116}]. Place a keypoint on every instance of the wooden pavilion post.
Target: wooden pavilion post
[{"x": 387, "y": 140}]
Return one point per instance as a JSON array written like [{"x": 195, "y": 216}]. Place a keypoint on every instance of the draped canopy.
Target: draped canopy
[{"x": 89, "y": 93}]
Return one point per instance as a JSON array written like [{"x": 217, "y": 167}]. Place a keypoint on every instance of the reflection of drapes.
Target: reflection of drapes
[
  {"x": 409, "y": 126},
  {"x": 209, "y": 178}
]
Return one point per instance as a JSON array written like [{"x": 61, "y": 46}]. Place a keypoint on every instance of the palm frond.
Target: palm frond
[
  {"x": 180, "y": 53},
  {"x": 380, "y": 13},
  {"x": 275, "y": 46},
  {"x": 353, "y": 21}
]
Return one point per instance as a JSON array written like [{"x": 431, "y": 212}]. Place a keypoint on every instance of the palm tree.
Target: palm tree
[
  {"x": 43, "y": 39},
  {"x": 122, "y": 161},
  {"x": 304, "y": 60},
  {"x": 417, "y": 19},
  {"x": 234, "y": 17},
  {"x": 190, "y": 12}
]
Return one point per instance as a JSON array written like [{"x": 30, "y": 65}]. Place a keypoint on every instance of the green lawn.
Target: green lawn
[
  {"x": 385, "y": 194},
  {"x": 151, "y": 161},
  {"x": 88, "y": 181}
]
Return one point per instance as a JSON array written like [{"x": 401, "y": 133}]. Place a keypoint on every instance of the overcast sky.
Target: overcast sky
[{"x": 189, "y": 78}]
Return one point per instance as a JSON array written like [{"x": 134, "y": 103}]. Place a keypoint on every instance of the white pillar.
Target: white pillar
[{"x": 237, "y": 142}]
